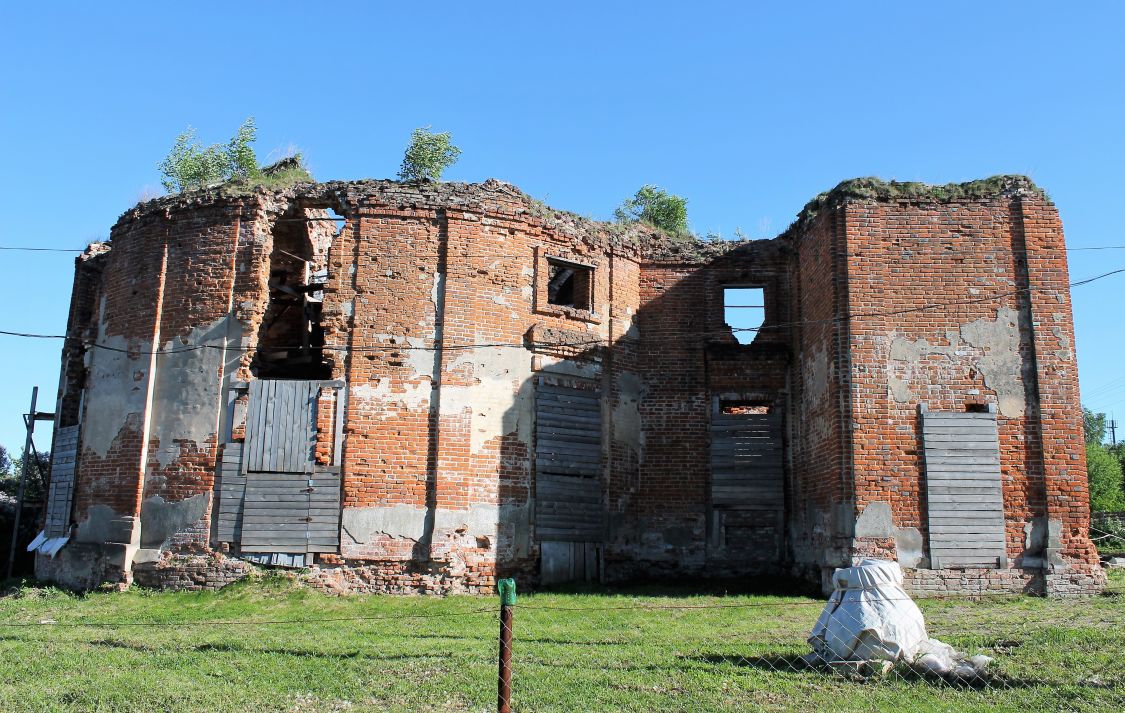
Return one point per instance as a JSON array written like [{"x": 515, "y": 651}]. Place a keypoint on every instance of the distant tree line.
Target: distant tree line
[{"x": 1104, "y": 464}]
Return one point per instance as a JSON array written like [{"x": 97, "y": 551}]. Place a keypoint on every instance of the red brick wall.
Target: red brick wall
[
  {"x": 997, "y": 268},
  {"x": 444, "y": 471},
  {"x": 820, "y": 490}
]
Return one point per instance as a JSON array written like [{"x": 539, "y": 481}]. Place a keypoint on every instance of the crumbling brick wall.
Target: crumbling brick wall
[{"x": 437, "y": 321}]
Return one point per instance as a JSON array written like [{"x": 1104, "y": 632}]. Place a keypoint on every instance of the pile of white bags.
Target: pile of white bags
[{"x": 870, "y": 617}]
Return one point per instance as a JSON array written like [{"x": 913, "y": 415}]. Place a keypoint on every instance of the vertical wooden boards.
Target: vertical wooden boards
[
  {"x": 60, "y": 498},
  {"x": 746, "y": 461},
  {"x": 966, "y": 503},
  {"x": 281, "y": 426},
  {"x": 232, "y": 488},
  {"x": 747, "y": 482},
  {"x": 568, "y": 462},
  {"x": 282, "y": 503}
]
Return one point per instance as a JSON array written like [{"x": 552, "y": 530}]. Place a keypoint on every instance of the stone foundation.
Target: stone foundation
[
  {"x": 1071, "y": 582},
  {"x": 398, "y": 577},
  {"x": 191, "y": 572}
]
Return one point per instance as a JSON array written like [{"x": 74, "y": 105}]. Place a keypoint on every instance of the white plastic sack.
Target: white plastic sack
[{"x": 869, "y": 617}]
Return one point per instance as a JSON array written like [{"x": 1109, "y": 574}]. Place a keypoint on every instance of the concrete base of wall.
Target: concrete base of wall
[{"x": 83, "y": 567}]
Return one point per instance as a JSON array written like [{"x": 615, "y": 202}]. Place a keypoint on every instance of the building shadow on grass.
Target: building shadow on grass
[{"x": 773, "y": 585}]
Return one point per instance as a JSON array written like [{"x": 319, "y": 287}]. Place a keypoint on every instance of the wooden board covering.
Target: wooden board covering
[
  {"x": 60, "y": 498},
  {"x": 568, "y": 462},
  {"x": 281, "y": 426},
  {"x": 291, "y": 512},
  {"x": 232, "y": 488},
  {"x": 966, "y": 502},
  {"x": 746, "y": 462}
]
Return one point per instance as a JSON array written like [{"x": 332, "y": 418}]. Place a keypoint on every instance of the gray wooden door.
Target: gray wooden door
[
  {"x": 966, "y": 501},
  {"x": 273, "y": 497},
  {"x": 568, "y": 456},
  {"x": 281, "y": 426},
  {"x": 60, "y": 498},
  {"x": 291, "y": 512},
  {"x": 747, "y": 483}
]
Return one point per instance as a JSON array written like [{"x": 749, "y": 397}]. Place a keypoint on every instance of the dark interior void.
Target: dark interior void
[
  {"x": 568, "y": 285},
  {"x": 291, "y": 338}
]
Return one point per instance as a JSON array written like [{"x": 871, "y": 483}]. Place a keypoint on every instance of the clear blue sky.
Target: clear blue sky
[{"x": 748, "y": 110}]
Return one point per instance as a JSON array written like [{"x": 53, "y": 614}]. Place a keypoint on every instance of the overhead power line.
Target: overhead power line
[
  {"x": 79, "y": 250},
  {"x": 438, "y": 345}
]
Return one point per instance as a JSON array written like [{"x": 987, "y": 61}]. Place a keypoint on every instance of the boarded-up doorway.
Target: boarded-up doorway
[
  {"x": 569, "y": 517},
  {"x": 276, "y": 504},
  {"x": 747, "y": 480}
]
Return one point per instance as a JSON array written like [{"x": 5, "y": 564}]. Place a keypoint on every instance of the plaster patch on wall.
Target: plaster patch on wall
[
  {"x": 991, "y": 347},
  {"x": 405, "y": 395},
  {"x": 502, "y": 399},
  {"x": 875, "y": 521},
  {"x": 116, "y": 388},
  {"x": 815, "y": 372},
  {"x": 908, "y": 546},
  {"x": 1001, "y": 364},
  {"x": 402, "y": 521},
  {"x": 627, "y": 413},
  {"x": 900, "y": 390},
  {"x": 1064, "y": 351},
  {"x": 160, "y": 519},
  {"x": 187, "y": 393},
  {"x": 815, "y": 368},
  {"x": 104, "y": 524},
  {"x": 569, "y": 367}
]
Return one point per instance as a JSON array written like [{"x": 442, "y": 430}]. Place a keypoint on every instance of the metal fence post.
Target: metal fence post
[{"x": 507, "y": 589}]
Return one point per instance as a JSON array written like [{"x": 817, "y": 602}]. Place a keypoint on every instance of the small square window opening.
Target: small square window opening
[
  {"x": 569, "y": 285},
  {"x": 744, "y": 310}
]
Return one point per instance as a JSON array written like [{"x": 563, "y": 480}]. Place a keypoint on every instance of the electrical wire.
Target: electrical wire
[{"x": 585, "y": 343}]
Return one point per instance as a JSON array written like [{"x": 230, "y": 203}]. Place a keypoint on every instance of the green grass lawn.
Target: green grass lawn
[{"x": 647, "y": 650}]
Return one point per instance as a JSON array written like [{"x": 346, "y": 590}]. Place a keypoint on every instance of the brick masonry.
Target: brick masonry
[{"x": 434, "y": 313}]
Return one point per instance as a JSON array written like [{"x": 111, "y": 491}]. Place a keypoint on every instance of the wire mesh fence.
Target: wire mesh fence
[{"x": 647, "y": 650}]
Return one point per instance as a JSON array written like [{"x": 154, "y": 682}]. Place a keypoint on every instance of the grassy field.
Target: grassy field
[{"x": 646, "y": 650}]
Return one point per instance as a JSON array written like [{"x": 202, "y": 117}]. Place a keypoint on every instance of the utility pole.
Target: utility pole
[
  {"x": 1112, "y": 426},
  {"x": 28, "y": 453}
]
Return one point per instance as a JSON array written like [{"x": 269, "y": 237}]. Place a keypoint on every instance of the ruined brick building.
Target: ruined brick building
[{"x": 419, "y": 388}]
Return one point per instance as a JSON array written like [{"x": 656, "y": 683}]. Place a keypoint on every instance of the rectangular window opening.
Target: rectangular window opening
[
  {"x": 569, "y": 284},
  {"x": 743, "y": 408},
  {"x": 744, "y": 311}
]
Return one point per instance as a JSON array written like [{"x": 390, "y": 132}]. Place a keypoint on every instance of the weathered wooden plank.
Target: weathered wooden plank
[
  {"x": 957, "y": 417},
  {"x": 568, "y": 458},
  {"x": 932, "y": 438},
  {"x": 984, "y": 455},
  {"x": 589, "y": 533},
  {"x": 568, "y": 435},
  {"x": 938, "y": 471},
  {"x": 558, "y": 450},
  {"x": 543, "y": 387},
  {"x": 991, "y": 498},
  {"x": 566, "y": 445},
  {"x": 566, "y": 400},
  {"x": 977, "y": 529},
  {"x": 554, "y": 492},
  {"x": 570, "y": 420},
  {"x": 310, "y": 429}
]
